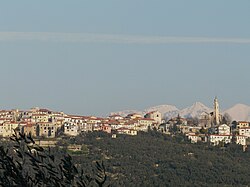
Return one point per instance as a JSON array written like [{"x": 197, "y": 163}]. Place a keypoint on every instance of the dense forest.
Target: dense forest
[
  {"x": 148, "y": 159},
  {"x": 155, "y": 159}
]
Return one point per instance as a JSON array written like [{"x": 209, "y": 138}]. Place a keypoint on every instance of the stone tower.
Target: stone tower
[{"x": 216, "y": 112}]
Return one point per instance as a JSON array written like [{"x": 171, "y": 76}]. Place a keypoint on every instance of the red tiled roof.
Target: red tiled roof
[{"x": 220, "y": 135}]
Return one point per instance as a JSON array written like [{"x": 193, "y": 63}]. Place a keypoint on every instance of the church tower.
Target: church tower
[{"x": 216, "y": 112}]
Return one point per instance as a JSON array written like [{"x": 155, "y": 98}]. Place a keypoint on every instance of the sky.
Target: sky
[{"x": 96, "y": 57}]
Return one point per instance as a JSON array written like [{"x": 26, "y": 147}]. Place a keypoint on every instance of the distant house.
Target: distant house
[
  {"x": 40, "y": 118},
  {"x": 224, "y": 129},
  {"x": 85, "y": 127},
  {"x": 70, "y": 129},
  {"x": 134, "y": 116},
  {"x": 116, "y": 117},
  {"x": 7, "y": 128},
  {"x": 188, "y": 129},
  {"x": 115, "y": 124},
  {"x": 164, "y": 128},
  {"x": 244, "y": 131},
  {"x": 242, "y": 124},
  {"x": 29, "y": 128},
  {"x": 145, "y": 123},
  {"x": 193, "y": 137},
  {"x": 47, "y": 129},
  {"x": 74, "y": 147},
  {"x": 215, "y": 139},
  {"x": 155, "y": 115},
  {"x": 127, "y": 131},
  {"x": 106, "y": 128},
  {"x": 242, "y": 140}
]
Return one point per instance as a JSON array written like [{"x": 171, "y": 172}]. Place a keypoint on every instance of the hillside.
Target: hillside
[{"x": 153, "y": 159}]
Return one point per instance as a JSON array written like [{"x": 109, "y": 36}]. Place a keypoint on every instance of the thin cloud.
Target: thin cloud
[{"x": 111, "y": 38}]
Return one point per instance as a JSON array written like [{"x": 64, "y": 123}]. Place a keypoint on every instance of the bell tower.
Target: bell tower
[{"x": 216, "y": 112}]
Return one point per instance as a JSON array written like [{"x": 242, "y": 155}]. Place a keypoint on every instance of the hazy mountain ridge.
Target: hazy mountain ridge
[
  {"x": 195, "y": 110},
  {"x": 126, "y": 112},
  {"x": 238, "y": 112},
  {"x": 163, "y": 109}
]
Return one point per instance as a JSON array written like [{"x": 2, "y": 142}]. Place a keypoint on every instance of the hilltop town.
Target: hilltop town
[{"x": 46, "y": 124}]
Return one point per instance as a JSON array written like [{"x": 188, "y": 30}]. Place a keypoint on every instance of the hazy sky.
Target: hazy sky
[{"x": 96, "y": 57}]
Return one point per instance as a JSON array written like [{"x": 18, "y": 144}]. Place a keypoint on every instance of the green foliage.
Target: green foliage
[
  {"x": 149, "y": 159},
  {"x": 155, "y": 159},
  {"x": 26, "y": 164}
]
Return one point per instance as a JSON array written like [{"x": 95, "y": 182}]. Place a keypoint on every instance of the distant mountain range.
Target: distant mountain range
[{"x": 238, "y": 112}]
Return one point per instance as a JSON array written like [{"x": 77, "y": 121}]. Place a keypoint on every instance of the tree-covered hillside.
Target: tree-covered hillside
[
  {"x": 149, "y": 159},
  {"x": 154, "y": 159}
]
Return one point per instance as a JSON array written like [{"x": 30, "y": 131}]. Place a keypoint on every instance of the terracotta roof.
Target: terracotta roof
[
  {"x": 245, "y": 128},
  {"x": 220, "y": 135}
]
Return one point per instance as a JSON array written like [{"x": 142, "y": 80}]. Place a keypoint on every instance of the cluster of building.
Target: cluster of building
[
  {"x": 49, "y": 124},
  {"x": 210, "y": 128}
]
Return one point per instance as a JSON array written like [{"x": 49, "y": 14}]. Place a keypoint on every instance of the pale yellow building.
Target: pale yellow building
[
  {"x": 70, "y": 129},
  {"x": 47, "y": 130},
  {"x": 155, "y": 115},
  {"x": 244, "y": 131},
  {"x": 242, "y": 124},
  {"x": 144, "y": 123},
  {"x": 242, "y": 140},
  {"x": 7, "y": 129},
  {"x": 215, "y": 139},
  {"x": 224, "y": 129},
  {"x": 30, "y": 128},
  {"x": 40, "y": 118},
  {"x": 127, "y": 131},
  {"x": 134, "y": 116}
]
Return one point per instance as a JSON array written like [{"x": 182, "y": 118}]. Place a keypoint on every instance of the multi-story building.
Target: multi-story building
[
  {"x": 134, "y": 116},
  {"x": 106, "y": 128},
  {"x": 242, "y": 140},
  {"x": 155, "y": 115},
  {"x": 245, "y": 131},
  {"x": 40, "y": 118},
  {"x": 146, "y": 123},
  {"x": 70, "y": 129},
  {"x": 7, "y": 128},
  {"x": 242, "y": 124},
  {"x": 127, "y": 131},
  {"x": 193, "y": 137},
  {"x": 188, "y": 129},
  {"x": 224, "y": 129},
  {"x": 46, "y": 129},
  {"x": 30, "y": 128},
  {"x": 215, "y": 139}
]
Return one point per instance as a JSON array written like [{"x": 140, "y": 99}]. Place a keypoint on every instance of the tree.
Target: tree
[
  {"x": 28, "y": 164},
  {"x": 203, "y": 130},
  {"x": 234, "y": 125}
]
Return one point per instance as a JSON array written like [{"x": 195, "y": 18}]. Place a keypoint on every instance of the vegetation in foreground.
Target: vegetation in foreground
[{"x": 25, "y": 164}]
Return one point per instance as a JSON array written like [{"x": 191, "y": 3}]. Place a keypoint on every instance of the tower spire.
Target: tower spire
[{"x": 216, "y": 111}]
